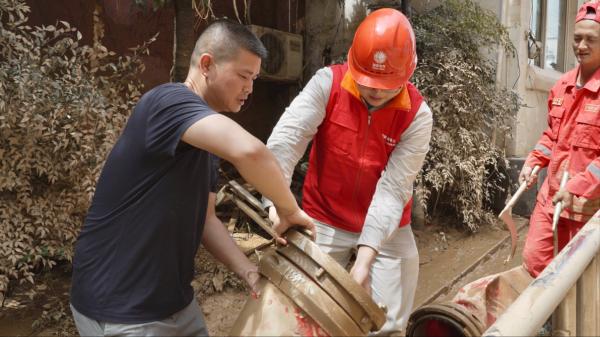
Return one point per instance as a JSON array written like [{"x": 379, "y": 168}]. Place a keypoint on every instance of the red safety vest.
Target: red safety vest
[{"x": 350, "y": 151}]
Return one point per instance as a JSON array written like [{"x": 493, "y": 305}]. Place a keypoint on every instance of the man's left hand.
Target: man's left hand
[{"x": 564, "y": 196}]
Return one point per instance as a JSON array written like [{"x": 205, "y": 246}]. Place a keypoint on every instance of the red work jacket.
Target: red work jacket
[
  {"x": 571, "y": 142},
  {"x": 350, "y": 151}
]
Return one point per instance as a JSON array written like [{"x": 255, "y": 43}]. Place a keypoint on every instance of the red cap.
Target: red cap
[{"x": 589, "y": 11}]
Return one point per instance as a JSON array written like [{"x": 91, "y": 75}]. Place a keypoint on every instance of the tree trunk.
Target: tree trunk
[
  {"x": 377, "y": 4},
  {"x": 185, "y": 38},
  {"x": 405, "y": 8},
  {"x": 322, "y": 18}
]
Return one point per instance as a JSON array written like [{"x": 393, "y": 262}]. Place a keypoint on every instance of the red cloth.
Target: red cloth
[{"x": 351, "y": 150}]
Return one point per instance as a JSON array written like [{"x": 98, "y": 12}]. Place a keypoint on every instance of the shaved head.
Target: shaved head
[{"x": 223, "y": 39}]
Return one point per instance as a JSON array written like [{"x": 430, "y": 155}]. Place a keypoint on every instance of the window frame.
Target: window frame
[{"x": 565, "y": 58}]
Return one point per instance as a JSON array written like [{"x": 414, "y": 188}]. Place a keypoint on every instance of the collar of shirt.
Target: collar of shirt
[{"x": 570, "y": 80}]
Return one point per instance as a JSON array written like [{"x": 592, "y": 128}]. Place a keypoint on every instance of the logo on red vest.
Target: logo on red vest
[
  {"x": 591, "y": 108},
  {"x": 389, "y": 141},
  {"x": 558, "y": 101}
]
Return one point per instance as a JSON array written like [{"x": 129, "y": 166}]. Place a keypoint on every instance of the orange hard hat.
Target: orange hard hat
[{"x": 383, "y": 54}]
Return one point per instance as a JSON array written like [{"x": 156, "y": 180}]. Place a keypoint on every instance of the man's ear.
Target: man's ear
[{"x": 205, "y": 63}]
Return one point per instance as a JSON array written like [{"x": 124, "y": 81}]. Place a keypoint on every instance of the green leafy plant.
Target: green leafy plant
[
  {"x": 465, "y": 168},
  {"x": 62, "y": 105}
]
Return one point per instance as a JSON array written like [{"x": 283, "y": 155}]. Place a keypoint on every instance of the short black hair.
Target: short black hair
[{"x": 223, "y": 38}]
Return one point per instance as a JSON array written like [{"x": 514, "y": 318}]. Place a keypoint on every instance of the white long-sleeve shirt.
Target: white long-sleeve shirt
[{"x": 298, "y": 125}]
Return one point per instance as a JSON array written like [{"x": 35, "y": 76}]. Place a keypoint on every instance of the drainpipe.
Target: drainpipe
[{"x": 529, "y": 312}]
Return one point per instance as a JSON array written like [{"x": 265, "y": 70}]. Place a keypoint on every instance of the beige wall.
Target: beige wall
[{"x": 516, "y": 73}]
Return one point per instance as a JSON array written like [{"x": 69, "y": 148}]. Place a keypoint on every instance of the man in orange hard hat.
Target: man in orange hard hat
[
  {"x": 570, "y": 144},
  {"x": 370, "y": 130}
]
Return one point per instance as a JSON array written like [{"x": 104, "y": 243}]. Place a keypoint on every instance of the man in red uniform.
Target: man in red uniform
[
  {"x": 370, "y": 130},
  {"x": 571, "y": 143}
]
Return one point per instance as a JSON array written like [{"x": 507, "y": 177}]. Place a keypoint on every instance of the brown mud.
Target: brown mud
[{"x": 444, "y": 254}]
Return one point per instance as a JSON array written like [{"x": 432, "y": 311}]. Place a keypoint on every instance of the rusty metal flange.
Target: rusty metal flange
[
  {"x": 307, "y": 295},
  {"x": 339, "y": 275}
]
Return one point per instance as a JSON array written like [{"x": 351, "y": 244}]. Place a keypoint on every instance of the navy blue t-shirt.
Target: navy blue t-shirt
[{"x": 134, "y": 257}]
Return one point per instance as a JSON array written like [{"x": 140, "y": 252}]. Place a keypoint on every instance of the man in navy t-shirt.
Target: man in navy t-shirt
[{"x": 155, "y": 199}]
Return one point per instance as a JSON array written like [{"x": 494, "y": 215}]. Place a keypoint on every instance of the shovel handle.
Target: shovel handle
[
  {"x": 557, "y": 211},
  {"x": 521, "y": 189},
  {"x": 558, "y": 207}
]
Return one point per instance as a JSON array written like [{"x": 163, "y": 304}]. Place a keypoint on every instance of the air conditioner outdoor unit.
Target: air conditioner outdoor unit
[{"x": 284, "y": 62}]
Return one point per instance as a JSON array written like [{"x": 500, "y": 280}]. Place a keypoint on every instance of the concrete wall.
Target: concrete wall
[
  {"x": 530, "y": 82},
  {"x": 516, "y": 74}
]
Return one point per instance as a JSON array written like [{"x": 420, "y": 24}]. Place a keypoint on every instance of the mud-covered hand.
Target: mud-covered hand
[
  {"x": 251, "y": 276},
  {"x": 564, "y": 196},
  {"x": 282, "y": 222},
  {"x": 526, "y": 175}
]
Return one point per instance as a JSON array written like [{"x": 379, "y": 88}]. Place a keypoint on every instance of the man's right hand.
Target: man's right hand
[
  {"x": 281, "y": 223},
  {"x": 526, "y": 175}
]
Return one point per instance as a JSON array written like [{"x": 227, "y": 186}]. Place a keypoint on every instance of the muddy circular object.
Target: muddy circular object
[
  {"x": 307, "y": 289},
  {"x": 334, "y": 279},
  {"x": 443, "y": 319}
]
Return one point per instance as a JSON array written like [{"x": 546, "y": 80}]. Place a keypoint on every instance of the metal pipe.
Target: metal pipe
[
  {"x": 588, "y": 300},
  {"x": 529, "y": 312}
]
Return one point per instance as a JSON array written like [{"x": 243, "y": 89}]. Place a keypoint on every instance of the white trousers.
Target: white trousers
[{"x": 394, "y": 273}]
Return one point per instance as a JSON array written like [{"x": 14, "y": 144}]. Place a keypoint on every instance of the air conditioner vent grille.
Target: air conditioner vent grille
[
  {"x": 274, "y": 60},
  {"x": 284, "y": 60}
]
